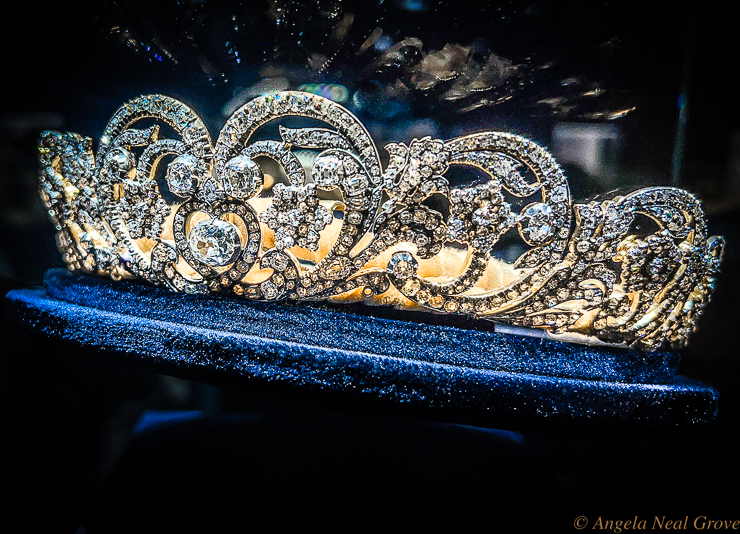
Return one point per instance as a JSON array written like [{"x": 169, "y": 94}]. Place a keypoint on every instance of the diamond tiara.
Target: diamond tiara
[{"x": 316, "y": 215}]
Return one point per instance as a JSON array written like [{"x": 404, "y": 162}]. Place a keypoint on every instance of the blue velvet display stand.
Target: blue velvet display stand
[{"x": 431, "y": 366}]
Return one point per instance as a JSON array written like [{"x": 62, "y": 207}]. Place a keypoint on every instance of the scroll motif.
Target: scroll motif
[{"x": 249, "y": 218}]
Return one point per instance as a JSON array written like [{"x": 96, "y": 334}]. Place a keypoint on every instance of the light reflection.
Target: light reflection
[
  {"x": 593, "y": 147},
  {"x": 395, "y": 59},
  {"x": 336, "y": 92},
  {"x": 264, "y": 86},
  {"x": 412, "y": 5}
]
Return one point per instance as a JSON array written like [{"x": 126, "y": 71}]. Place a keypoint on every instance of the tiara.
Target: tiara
[{"x": 315, "y": 213}]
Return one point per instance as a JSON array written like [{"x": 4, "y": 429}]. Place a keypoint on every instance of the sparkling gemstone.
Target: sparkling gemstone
[
  {"x": 355, "y": 183},
  {"x": 214, "y": 242},
  {"x": 428, "y": 158},
  {"x": 312, "y": 236},
  {"x": 412, "y": 287},
  {"x": 539, "y": 218},
  {"x": 279, "y": 262},
  {"x": 181, "y": 175},
  {"x": 484, "y": 215},
  {"x": 302, "y": 193},
  {"x": 211, "y": 192},
  {"x": 436, "y": 301},
  {"x": 559, "y": 194},
  {"x": 295, "y": 217},
  {"x": 140, "y": 210},
  {"x": 350, "y": 167},
  {"x": 242, "y": 177},
  {"x": 269, "y": 290},
  {"x": 354, "y": 217},
  {"x": 283, "y": 240},
  {"x": 656, "y": 267},
  {"x": 134, "y": 229},
  {"x": 456, "y": 229},
  {"x": 327, "y": 171},
  {"x": 120, "y": 160},
  {"x": 402, "y": 265}
]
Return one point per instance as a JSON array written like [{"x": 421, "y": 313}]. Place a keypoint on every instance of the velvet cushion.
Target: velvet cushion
[{"x": 435, "y": 366}]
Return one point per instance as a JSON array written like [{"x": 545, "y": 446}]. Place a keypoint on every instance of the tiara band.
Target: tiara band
[{"x": 316, "y": 215}]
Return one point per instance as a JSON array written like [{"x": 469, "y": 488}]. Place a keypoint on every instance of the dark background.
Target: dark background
[{"x": 660, "y": 76}]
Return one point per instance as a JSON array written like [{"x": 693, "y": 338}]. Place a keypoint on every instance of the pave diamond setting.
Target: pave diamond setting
[{"x": 582, "y": 271}]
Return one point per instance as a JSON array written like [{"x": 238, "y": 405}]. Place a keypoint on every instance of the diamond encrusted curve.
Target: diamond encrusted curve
[{"x": 197, "y": 217}]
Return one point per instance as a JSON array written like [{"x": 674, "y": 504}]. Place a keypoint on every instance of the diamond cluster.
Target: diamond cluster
[{"x": 350, "y": 228}]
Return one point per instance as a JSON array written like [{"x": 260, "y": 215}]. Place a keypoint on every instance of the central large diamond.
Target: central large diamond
[{"x": 214, "y": 242}]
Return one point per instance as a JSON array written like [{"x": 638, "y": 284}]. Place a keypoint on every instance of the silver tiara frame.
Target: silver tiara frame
[{"x": 586, "y": 274}]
